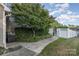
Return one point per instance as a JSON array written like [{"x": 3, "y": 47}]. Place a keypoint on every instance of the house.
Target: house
[
  {"x": 65, "y": 32},
  {"x": 4, "y": 13}
]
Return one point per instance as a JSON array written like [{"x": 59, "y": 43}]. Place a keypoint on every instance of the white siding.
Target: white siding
[
  {"x": 62, "y": 32},
  {"x": 66, "y": 33},
  {"x": 72, "y": 33},
  {"x": 51, "y": 31}
]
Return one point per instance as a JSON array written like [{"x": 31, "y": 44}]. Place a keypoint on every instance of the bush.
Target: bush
[
  {"x": 26, "y": 35},
  {"x": 1, "y": 50}
]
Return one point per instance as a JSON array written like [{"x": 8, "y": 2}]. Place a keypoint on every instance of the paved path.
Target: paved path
[
  {"x": 21, "y": 52},
  {"x": 38, "y": 46},
  {"x": 30, "y": 49}
]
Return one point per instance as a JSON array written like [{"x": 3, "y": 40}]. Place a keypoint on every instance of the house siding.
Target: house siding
[
  {"x": 72, "y": 33},
  {"x": 1, "y": 26},
  {"x": 78, "y": 33},
  {"x": 62, "y": 32},
  {"x": 66, "y": 33}
]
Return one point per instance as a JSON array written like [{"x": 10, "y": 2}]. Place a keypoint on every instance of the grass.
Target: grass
[
  {"x": 62, "y": 47},
  {"x": 2, "y": 50},
  {"x": 26, "y": 35}
]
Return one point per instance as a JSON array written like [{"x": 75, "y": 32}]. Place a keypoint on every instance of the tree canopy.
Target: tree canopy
[{"x": 32, "y": 15}]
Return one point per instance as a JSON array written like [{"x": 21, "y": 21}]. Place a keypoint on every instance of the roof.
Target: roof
[{"x": 5, "y": 7}]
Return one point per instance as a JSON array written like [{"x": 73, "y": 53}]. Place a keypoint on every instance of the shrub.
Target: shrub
[
  {"x": 1, "y": 50},
  {"x": 26, "y": 35}
]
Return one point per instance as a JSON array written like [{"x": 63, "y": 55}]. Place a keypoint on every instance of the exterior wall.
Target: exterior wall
[
  {"x": 3, "y": 9},
  {"x": 1, "y": 26},
  {"x": 77, "y": 33},
  {"x": 72, "y": 33},
  {"x": 62, "y": 32},
  {"x": 66, "y": 33},
  {"x": 51, "y": 31}
]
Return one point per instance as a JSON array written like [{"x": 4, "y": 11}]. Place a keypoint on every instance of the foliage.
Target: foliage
[
  {"x": 56, "y": 24},
  {"x": 73, "y": 26},
  {"x": 26, "y": 35},
  {"x": 32, "y": 15},
  {"x": 2, "y": 50}
]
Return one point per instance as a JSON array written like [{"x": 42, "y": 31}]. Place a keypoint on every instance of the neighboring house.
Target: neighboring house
[
  {"x": 65, "y": 32},
  {"x": 4, "y": 13}
]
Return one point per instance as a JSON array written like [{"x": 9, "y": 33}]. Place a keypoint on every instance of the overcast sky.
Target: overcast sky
[{"x": 65, "y": 13}]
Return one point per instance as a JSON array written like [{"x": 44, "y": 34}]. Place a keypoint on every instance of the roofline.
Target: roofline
[{"x": 5, "y": 7}]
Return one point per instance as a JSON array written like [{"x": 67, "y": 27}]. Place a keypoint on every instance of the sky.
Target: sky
[{"x": 65, "y": 13}]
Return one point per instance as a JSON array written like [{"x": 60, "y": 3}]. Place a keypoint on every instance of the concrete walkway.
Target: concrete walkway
[
  {"x": 21, "y": 52},
  {"x": 38, "y": 46},
  {"x": 30, "y": 49}
]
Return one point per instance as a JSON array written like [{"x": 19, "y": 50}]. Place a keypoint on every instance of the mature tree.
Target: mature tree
[{"x": 31, "y": 15}]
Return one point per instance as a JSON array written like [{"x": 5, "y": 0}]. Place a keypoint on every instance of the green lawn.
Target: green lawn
[{"x": 62, "y": 47}]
